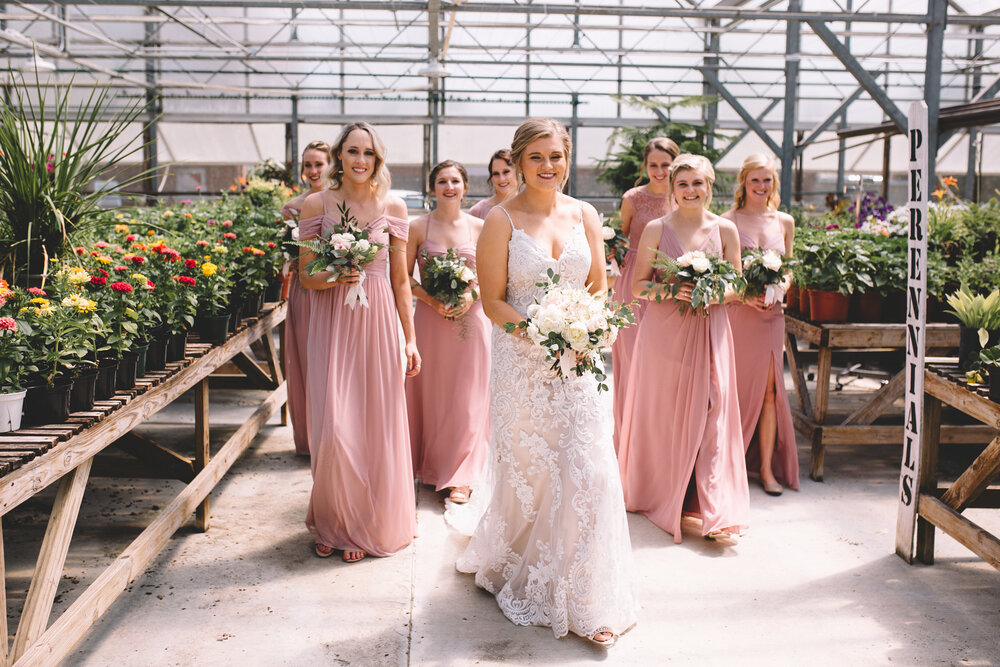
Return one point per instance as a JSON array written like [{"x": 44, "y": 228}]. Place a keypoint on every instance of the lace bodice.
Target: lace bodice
[{"x": 527, "y": 263}]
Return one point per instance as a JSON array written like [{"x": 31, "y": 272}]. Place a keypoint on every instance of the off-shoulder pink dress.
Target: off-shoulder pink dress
[
  {"x": 362, "y": 495},
  {"x": 645, "y": 207},
  {"x": 296, "y": 361},
  {"x": 761, "y": 343},
  {"x": 682, "y": 416},
  {"x": 448, "y": 403}
]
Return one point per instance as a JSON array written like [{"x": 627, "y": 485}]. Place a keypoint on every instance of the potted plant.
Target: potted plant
[
  {"x": 978, "y": 315},
  {"x": 989, "y": 360},
  {"x": 212, "y": 322},
  {"x": 834, "y": 266},
  {"x": 14, "y": 360},
  {"x": 119, "y": 306}
]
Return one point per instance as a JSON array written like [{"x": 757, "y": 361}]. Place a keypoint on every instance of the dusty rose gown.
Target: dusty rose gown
[
  {"x": 645, "y": 207},
  {"x": 760, "y": 332},
  {"x": 296, "y": 330},
  {"x": 682, "y": 416},
  {"x": 362, "y": 495},
  {"x": 448, "y": 403},
  {"x": 480, "y": 209}
]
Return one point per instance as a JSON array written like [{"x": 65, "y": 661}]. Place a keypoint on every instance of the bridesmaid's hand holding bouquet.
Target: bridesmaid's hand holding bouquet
[
  {"x": 574, "y": 327},
  {"x": 344, "y": 250},
  {"x": 765, "y": 274},
  {"x": 695, "y": 280},
  {"x": 449, "y": 279}
]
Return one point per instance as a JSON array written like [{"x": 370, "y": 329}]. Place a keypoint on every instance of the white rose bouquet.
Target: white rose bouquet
[
  {"x": 574, "y": 327},
  {"x": 615, "y": 244},
  {"x": 448, "y": 277},
  {"x": 764, "y": 272},
  {"x": 709, "y": 276},
  {"x": 341, "y": 249}
]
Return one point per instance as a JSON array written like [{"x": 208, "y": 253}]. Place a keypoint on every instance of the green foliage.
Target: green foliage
[
  {"x": 976, "y": 311},
  {"x": 620, "y": 169},
  {"x": 834, "y": 261}
]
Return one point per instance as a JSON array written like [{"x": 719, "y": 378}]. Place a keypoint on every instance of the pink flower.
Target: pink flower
[
  {"x": 131, "y": 237},
  {"x": 138, "y": 260},
  {"x": 101, "y": 244},
  {"x": 35, "y": 291},
  {"x": 80, "y": 250},
  {"x": 124, "y": 288},
  {"x": 8, "y": 324},
  {"x": 227, "y": 223},
  {"x": 229, "y": 235}
]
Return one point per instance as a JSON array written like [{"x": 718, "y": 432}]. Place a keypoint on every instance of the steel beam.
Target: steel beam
[
  {"x": 937, "y": 18},
  {"x": 747, "y": 117},
  {"x": 866, "y": 80},
  {"x": 821, "y": 127},
  {"x": 793, "y": 46},
  {"x": 745, "y": 131},
  {"x": 710, "y": 112}
]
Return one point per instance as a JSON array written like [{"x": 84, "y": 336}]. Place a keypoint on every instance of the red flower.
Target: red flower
[
  {"x": 185, "y": 280},
  {"x": 150, "y": 285},
  {"x": 170, "y": 254},
  {"x": 191, "y": 263},
  {"x": 80, "y": 250},
  {"x": 138, "y": 260},
  {"x": 121, "y": 269},
  {"x": 201, "y": 243},
  {"x": 131, "y": 237},
  {"x": 125, "y": 288},
  {"x": 247, "y": 249},
  {"x": 229, "y": 235},
  {"x": 8, "y": 324},
  {"x": 98, "y": 281},
  {"x": 103, "y": 272},
  {"x": 35, "y": 291},
  {"x": 271, "y": 244}
]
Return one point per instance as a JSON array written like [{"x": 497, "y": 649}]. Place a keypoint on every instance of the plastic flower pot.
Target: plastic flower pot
[
  {"x": 253, "y": 302},
  {"x": 10, "y": 410},
  {"x": 140, "y": 362},
  {"x": 213, "y": 328},
  {"x": 126, "y": 370},
  {"x": 107, "y": 373},
  {"x": 47, "y": 404},
  {"x": 828, "y": 306},
  {"x": 81, "y": 397},
  {"x": 273, "y": 292},
  {"x": 175, "y": 346},
  {"x": 156, "y": 355}
]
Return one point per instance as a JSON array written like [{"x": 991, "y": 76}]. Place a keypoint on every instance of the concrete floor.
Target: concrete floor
[{"x": 815, "y": 579}]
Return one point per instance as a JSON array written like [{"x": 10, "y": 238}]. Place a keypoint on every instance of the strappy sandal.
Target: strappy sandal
[
  {"x": 459, "y": 495},
  {"x": 610, "y": 639},
  {"x": 353, "y": 551},
  {"x": 322, "y": 550}
]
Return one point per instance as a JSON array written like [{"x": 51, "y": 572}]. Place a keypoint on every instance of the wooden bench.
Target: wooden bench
[{"x": 34, "y": 458}]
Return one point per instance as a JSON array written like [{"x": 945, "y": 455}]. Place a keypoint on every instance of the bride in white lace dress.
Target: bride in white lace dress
[{"x": 553, "y": 543}]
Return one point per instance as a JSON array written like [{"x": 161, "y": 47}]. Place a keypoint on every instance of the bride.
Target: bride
[{"x": 553, "y": 543}]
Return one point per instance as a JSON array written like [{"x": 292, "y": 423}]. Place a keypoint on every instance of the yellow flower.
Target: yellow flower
[
  {"x": 208, "y": 269},
  {"x": 76, "y": 275},
  {"x": 138, "y": 277},
  {"x": 206, "y": 257},
  {"x": 102, "y": 259},
  {"x": 121, "y": 229},
  {"x": 219, "y": 249},
  {"x": 132, "y": 221},
  {"x": 39, "y": 301},
  {"x": 80, "y": 303},
  {"x": 120, "y": 216}
]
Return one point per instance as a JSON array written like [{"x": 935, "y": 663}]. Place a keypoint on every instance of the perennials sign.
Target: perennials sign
[{"x": 916, "y": 325}]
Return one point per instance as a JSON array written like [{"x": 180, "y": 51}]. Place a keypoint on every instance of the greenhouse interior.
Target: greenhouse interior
[{"x": 772, "y": 333}]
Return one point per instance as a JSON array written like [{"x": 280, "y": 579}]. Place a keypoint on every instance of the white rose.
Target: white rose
[
  {"x": 608, "y": 233},
  {"x": 363, "y": 245},
  {"x": 748, "y": 262},
  {"x": 295, "y": 233},
  {"x": 341, "y": 240},
  {"x": 685, "y": 259},
  {"x": 699, "y": 262},
  {"x": 534, "y": 335},
  {"x": 467, "y": 274},
  {"x": 577, "y": 336},
  {"x": 550, "y": 320},
  {"x": 771, "y": 260},
  {"x": 609, "y": 337}
]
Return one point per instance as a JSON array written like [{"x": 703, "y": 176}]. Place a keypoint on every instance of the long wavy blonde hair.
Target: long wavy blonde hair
[
  {"x": 691, "y": 162},
  {"x": 538, "y": 128},
  {"x": 380, "y": 180},
  {"x": 756, "y": 161}
]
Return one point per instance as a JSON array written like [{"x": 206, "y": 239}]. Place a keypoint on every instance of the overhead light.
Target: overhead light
[
  {"x": 434, "y": 70},
  {"x": 38, "y": 64}
]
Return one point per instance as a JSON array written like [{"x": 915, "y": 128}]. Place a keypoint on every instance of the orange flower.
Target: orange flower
[
  {"x": 232, "y": 188},
  {"x": 950, "y": 181}
]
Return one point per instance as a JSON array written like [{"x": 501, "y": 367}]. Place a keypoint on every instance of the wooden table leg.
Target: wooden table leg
[
  {"x": 281, "y": 363},
  {"x": 798, "y": 374},
  {"x": 51, "y": 559},
  {"x": 201, "y": 446},
  {"x": 823, "y": 360},
  {"x": 928, "y": 476}
]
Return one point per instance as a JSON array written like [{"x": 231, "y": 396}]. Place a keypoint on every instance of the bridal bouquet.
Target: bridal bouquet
[
  {"x": 343, "y": 248},
  {"x": 615, "y": 244},
  {"x": 573, "y": 326},
  {"x": 708, "y": 275},
  {"x": 447, "y": 277},
  {"x": 764, "y": 272}
]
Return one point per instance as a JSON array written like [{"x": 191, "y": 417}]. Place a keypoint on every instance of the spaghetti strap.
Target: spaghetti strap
[
  {"x": 510, "y": 219},
  {"x": 323, "y": 198}
]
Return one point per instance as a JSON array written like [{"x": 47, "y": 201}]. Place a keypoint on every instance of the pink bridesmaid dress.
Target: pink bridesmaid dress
[
  {"x": 296, "y": 328},
  {"x": 448, "y": 403},
  {"x": 682, "y": 417},
  {"x": 760, "y": 332},
  {"x": 362, "y": 496},
  {"x": 480, "y": 209},
  {"x": 645, "y": 207}
]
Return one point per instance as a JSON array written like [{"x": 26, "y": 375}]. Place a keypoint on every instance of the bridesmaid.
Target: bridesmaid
[
  {"x": 639, "y": 205},
  {"x": 315, "y": 160},
  {"x": 763, "y": 401},
  {"x": 501, "y": 180},
  {"x": 448, "y": 404},
  {"x": 690, "y": 459},
  {"x": 362, "y": 498}
]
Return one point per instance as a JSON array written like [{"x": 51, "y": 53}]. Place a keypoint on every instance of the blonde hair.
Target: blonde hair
[
  {"x": 538, "y": 128},
  {"x": 380, "y": 180},
  {"x": 690, "y": 162},
  {"x": 317, "y": 145},
  {"x": 752, "y": 162},
  {"x": 656, "y": 143}
]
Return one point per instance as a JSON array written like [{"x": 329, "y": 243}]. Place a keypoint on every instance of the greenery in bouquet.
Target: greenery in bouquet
[
  {"x": 764, "y": 272},
  {"x": 342, "y": 248},
  {"x": 615, "y": 242},
  {"x": 59, "y": 332},
  {"x": 448, "y": 277},
  {"x": 212, "y": 289},
  {"x": 710, "y": 278},
  {"x": 574, "y": 327}
]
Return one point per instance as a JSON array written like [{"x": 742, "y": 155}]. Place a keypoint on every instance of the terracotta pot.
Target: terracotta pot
[
  {"x": 792, "y": 295},
  {"x": 804, "y": 302},
  {"x": 827, "y": 306},
  {"x": 81, "y": 398},
  {"x": 47, "y": 404},
  {"x": 286, "y": 281},
  {"x": 867, "y": 307}
]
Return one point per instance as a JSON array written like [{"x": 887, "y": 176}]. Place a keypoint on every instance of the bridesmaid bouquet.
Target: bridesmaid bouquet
[
  {"x": 708, "y": 275},
  {"x": 447, "y": 277},
  {"x": 343, "y": 248},
  {"x": 764, "y": 272},
  {"x": 574, "y": 327},
  {"x": 615, "y": 244}
]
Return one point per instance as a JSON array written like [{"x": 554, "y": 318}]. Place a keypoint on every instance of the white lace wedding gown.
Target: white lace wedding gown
[{"x": 553, "y": 543}]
